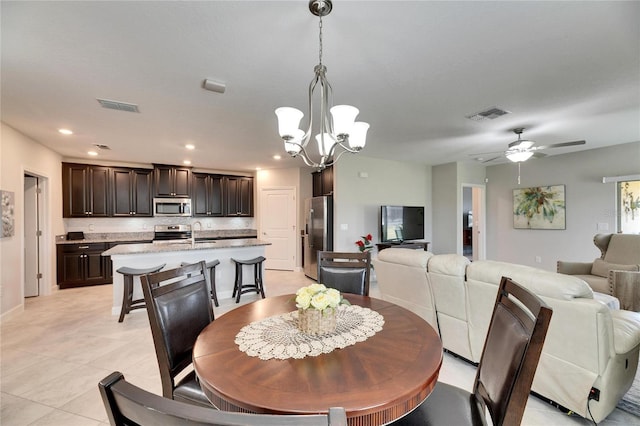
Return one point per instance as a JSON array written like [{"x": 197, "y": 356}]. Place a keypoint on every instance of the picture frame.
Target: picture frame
[
  {"x": 7, "y": 205},
  {"x": 628, "y": 209},
  {"x": 539, "y": 207}
]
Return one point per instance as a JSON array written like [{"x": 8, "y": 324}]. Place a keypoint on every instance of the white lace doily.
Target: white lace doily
[{"x": 279, "y": 337}]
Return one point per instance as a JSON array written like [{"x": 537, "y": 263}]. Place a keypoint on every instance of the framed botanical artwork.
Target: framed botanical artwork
[
  {"x": 539, "y": 207},
  {"x": 7, "y": 207},
  {"x": 629, "y": 206}
]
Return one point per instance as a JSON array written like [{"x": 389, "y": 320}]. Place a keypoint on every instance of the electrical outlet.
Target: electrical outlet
[
  {"x": 538, "y": 259},
  {"x": 594, "y": 394}
]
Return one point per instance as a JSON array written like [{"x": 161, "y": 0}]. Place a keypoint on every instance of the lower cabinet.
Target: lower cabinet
[{"x": 82, "y": 264}]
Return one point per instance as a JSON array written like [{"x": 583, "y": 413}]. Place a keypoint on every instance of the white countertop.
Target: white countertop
[{"x": 127, "y": 249}]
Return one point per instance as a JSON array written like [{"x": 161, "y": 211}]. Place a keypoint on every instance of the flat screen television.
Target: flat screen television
[{"x": 401, "y": 223}]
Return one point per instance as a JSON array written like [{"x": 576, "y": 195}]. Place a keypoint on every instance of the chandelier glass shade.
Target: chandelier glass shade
[{"x": 336, "y": 133}]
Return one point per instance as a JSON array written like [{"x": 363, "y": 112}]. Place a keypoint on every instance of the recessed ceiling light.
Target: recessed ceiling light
[
  {"x": 65, "y": 131},
  {"x": 186, "y": 162},
  {"x": 258, "y": 168},
  {"x": 277, "y": 157},
  {"x": 190, "y": 146},
  {"x": 92, "y": 153}
]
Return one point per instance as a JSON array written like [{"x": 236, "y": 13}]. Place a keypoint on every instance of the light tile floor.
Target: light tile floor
[{"x": 55, "y": 352}]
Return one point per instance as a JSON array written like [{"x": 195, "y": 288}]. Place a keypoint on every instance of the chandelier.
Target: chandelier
[{"x": 336, "y": 134}]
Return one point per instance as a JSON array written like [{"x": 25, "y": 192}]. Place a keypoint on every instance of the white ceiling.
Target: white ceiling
[{"x": 566, "y": 70}]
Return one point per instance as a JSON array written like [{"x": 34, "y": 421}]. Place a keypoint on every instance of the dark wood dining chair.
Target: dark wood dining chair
[
  {"x": 508, "y": 363},
  {"x": 127, "y": 405},
  {"x": 179, "y": 307},
  {"x": 347, "y": 272}
]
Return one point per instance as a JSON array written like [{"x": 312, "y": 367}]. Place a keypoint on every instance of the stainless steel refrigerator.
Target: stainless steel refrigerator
[{"x": 318, "y": 232}]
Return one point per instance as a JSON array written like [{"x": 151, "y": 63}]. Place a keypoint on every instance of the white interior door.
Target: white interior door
[
  {"x": 31, "y": 238},
  {"x": 278, "y": 227}
]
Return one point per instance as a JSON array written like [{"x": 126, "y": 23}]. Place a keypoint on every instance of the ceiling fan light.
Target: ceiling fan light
[
  {"x": 520, "y": 156},
  {"x": 358, "y": 137},
  {"x": 343, "y": 118},
  {"x": 288, "y": 121}
]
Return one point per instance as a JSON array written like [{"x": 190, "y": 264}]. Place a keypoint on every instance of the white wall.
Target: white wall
[
  {"x": 445, "y": 209},
  {"x": 357, "y": 199},
  {"x": 19, "y": 154},
  {"x": 589, "y": 202}
]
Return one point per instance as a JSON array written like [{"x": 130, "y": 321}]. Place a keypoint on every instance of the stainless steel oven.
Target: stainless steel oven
[
  {"x": 172, "y": 206},
  {"x": 172, "y": 234}
]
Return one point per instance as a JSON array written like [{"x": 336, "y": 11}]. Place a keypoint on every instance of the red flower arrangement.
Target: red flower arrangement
[{"x": 364, "y": 244}]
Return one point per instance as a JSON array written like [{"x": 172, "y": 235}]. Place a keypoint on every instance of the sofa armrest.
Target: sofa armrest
[
  {"x": 626, "y": 330},
  {"x": 625, "y": 285},
  {"x": 574, "y": 268}
]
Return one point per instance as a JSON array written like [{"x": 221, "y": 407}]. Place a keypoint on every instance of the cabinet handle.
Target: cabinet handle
[{"x": 83, "y": 247}]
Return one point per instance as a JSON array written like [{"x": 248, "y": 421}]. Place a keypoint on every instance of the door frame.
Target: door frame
[
  {"x": 46, "y": 256},
  {"x": 479, "y": 239}
]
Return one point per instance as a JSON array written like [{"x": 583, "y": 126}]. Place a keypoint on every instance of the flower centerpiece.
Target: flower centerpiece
[
  {"x": 317, "y": 306},
  {"x": 364, "y": 243}
]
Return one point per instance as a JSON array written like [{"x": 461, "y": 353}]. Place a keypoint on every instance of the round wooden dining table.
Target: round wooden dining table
[{"x": 377, "y": 380}]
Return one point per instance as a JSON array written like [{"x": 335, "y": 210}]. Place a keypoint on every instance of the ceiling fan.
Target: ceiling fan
[{"x": 521, "y": 150}]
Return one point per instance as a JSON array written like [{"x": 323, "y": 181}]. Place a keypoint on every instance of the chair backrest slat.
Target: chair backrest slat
[
  {"x": 127, "y": 404},
  {"x": 348, "y": 272},
  {"x": 179, "y": 308},
  {"x": 512, "y": 349}
]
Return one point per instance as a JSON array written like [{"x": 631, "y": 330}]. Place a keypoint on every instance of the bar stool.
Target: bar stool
[
  {"x": 128, "y": 304},
  {"x": 256, "y": 286},
  {"x": 211, "y": 267}
]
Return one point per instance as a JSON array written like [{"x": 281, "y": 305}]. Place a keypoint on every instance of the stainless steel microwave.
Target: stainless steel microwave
[{"x": 172, "y": 206}]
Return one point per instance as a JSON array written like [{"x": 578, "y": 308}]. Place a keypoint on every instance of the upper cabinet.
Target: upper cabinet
[
  {"x": 172, "y": 181},
  {"x": 238, "y": 196},
  {"x": 85, "y": 190},
  {"x": 322, "y": 182},
  {"x": 132, "y": 193},
  {"x": 207, "y": 198},
  {"x": 97, "y": 191}
]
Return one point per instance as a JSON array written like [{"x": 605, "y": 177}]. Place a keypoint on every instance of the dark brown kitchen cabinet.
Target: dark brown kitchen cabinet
[
  {"x": 172, "y": 181},
  {"x": 238, "y": 196},
  {"x": 207, "y": 196},
  {"x": 82, "y": 264},
  {"x": 132, "y": 192},
  {"x": 322, "y": 182},
  {"x": 85, "y": 190}
]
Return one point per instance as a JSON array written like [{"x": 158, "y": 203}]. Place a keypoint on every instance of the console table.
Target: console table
[{"x": 414, "y": 245}]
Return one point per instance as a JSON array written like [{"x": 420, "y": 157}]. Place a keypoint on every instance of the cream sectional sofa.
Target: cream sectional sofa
[{"x": 590, "y": 343}]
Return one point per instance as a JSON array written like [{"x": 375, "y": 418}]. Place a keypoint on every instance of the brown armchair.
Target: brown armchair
[{"x": 615, "y": 272}]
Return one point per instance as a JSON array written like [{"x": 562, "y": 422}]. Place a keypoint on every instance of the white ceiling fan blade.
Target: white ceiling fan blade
[
  {"x": 490, "y": 159},
  {"x": 559, "y": 145}
]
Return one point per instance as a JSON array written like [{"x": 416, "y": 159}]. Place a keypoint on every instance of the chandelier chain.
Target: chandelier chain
[{"x": 320, "y": 38}]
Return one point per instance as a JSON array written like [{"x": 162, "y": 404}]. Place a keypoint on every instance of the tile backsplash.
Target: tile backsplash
[{"x": 146, "y": 224}]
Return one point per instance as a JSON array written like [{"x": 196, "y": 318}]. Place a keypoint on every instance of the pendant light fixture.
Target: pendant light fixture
[{"x": 335, "y": 134}]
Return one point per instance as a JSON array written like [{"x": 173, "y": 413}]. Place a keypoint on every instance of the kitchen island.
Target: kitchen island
[{"x": 173, "y": 254}]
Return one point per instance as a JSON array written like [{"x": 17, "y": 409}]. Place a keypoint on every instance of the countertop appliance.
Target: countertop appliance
[
  {"x": 172, "y": 206},
  {"x": 318, "y": 232},
  {"x": 169, "y": 234}
]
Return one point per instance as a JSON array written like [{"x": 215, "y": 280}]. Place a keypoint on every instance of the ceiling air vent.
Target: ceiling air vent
[
  {"x": 120, "y": 106},
  {"x": 490, "y": 114},
  {"x": 100, "y": 146}
]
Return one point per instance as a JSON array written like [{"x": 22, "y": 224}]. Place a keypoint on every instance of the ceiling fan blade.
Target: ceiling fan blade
[
  {"x": 479, "y": 154},
  {"x": 559, "y": 145},
  {"x": 538, "y": 155},
  {"x": 490, "y": 159}
]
